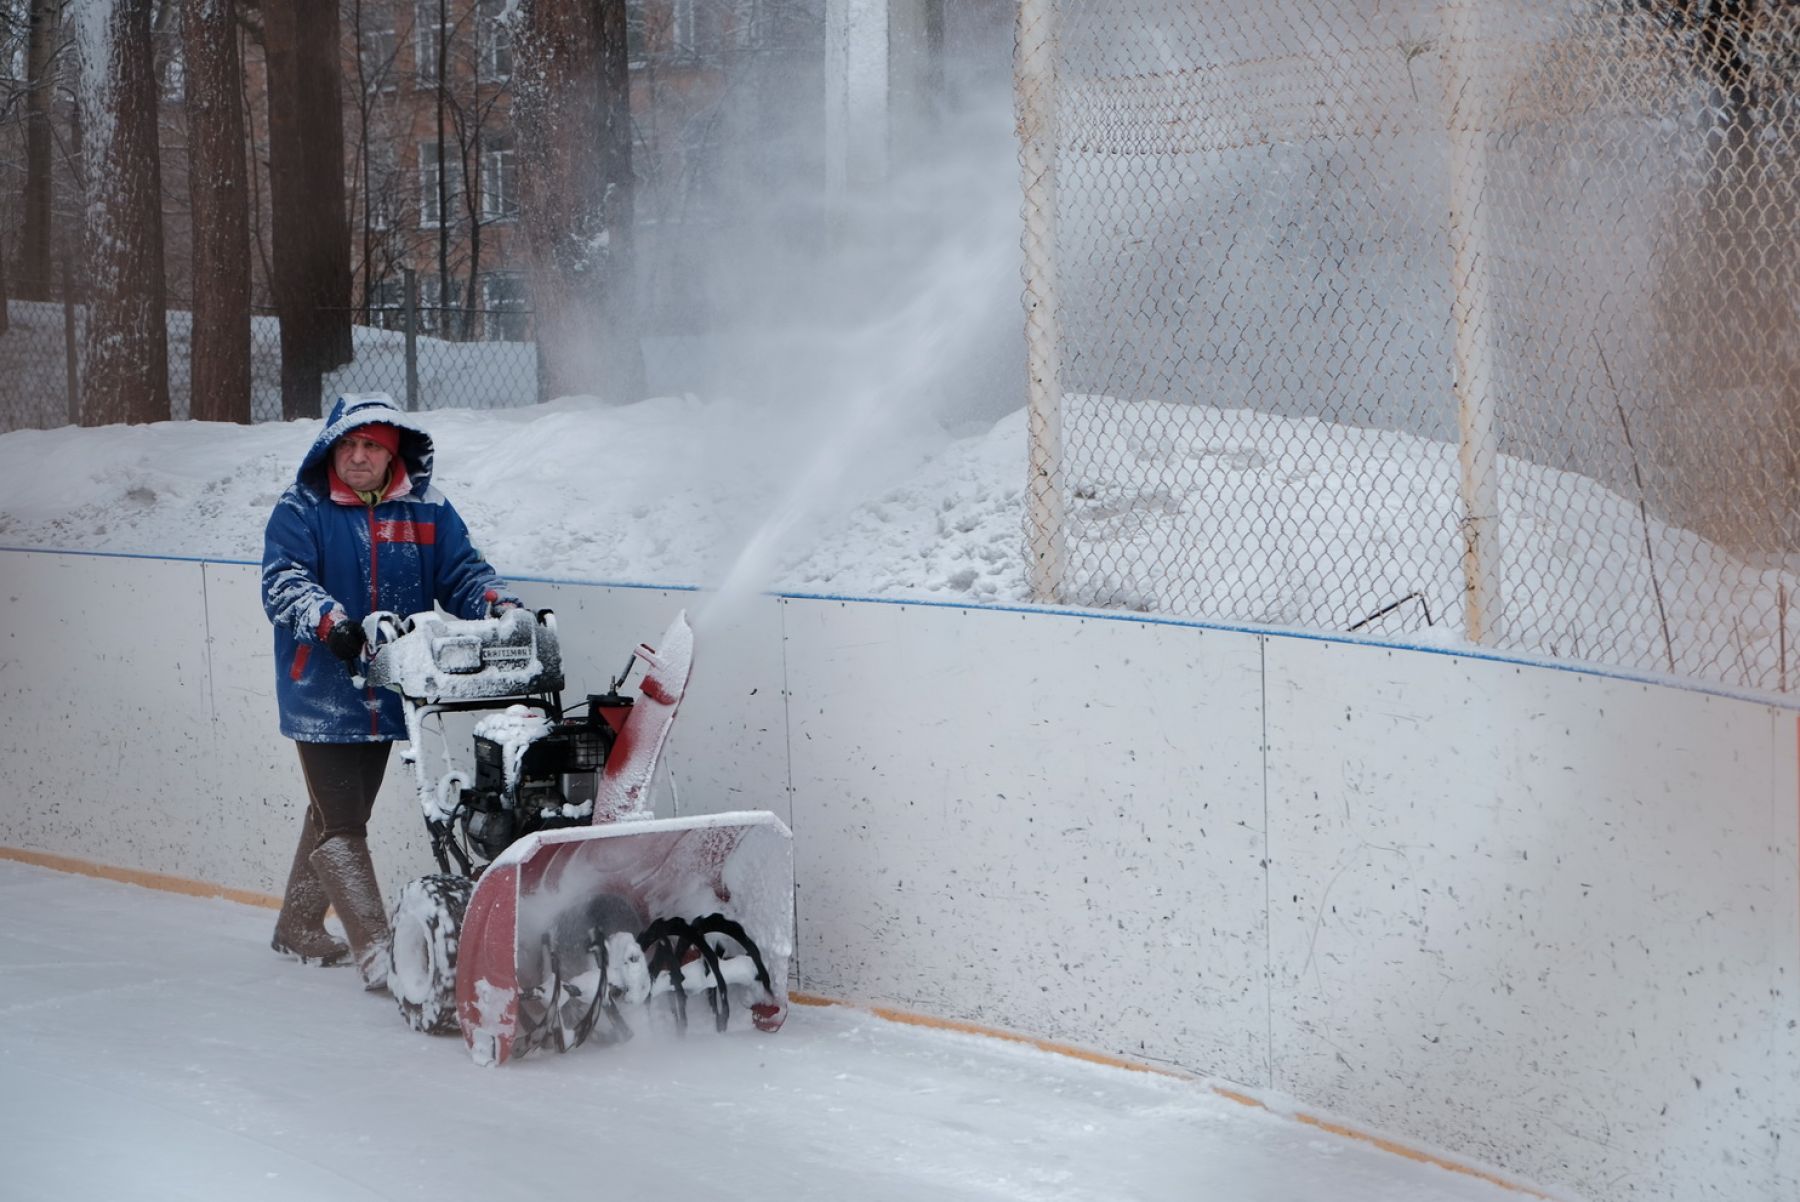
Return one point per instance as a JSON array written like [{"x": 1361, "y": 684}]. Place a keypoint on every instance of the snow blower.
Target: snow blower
[{"x": 564, "y": 911}]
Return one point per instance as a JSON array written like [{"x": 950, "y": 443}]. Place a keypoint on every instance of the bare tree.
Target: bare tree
[
  {"x": 219, "y": 191},
  {"x": 482, "y": 147},
  {"x": 311, "y": 280},
  {"x": 254, "y": 106},
  {"x": 441, "y": 74},
  {"x": 573, "y": 108},
  {"x": 127, "y": 363},
  {"x": 375, "y": 197}
]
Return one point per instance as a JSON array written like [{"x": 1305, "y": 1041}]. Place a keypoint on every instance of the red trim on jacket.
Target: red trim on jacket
[
  {"x": 369, "y": 697},
  {"x": 301, "y": 654},
  {"x": 422, "y": 534}
]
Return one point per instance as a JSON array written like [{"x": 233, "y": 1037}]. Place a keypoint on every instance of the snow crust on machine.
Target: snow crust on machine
[
  {"x": 524, "y": 848},
  {"x": 491, "y": 1008},
  {"x": 468, "y": 660},
  {"x": 623, "y": 787},
  {"x": 515, "y": 729}
]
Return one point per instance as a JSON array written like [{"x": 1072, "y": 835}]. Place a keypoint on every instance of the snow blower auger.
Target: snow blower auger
[{"x": 564, "y": 911}]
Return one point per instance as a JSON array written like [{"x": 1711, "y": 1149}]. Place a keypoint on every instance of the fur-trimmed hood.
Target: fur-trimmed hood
[{"x": 354, "y": 409}]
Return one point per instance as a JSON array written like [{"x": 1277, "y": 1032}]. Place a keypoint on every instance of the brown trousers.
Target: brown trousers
[{"x": 341, "y": 782}]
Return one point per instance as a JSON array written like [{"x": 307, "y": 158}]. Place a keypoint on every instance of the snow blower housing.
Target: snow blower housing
[
  {"x": 540, "y": 782},
  {"x": 535, "y": 766},
  {"x": 563, "y": 908}
]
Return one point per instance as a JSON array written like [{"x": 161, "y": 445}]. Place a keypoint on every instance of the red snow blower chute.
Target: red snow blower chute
[{"x": 564, "y": 911}]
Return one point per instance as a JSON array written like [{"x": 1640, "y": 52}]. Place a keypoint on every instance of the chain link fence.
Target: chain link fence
[
  {"x": 1466, "y": 321},
  {"x": 42, "y": 349}
]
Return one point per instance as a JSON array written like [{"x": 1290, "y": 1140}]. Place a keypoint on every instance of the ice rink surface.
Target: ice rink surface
[{"x": 153, "y": 1047}]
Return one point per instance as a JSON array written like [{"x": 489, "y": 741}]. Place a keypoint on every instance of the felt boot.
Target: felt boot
[
  {"x": 300, "y": 929},
  {"x": 343, "y": 866}
]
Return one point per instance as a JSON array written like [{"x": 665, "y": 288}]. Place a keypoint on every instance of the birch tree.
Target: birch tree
[
  {"x": 126, "y": 376},
  {"x": 572, "y": 107},
  {"x": 218, "y": 190}
]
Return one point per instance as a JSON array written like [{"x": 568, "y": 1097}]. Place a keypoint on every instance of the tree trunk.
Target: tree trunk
[
  {"x": 219, "y": 191},
  {"x": 472, "y": 205},
  {"x": 34, "y": 276},
  {"x": 442, "y": 322},
  {"x": 311, "y": 283},
  {"x": 572, "y": 105},
  {"x": 127, "y": 362},
  {"x": 365, "y": 195}
]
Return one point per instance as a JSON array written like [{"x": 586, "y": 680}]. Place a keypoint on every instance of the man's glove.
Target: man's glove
[
  {"x": 345, "y": 640},
  {"x": 498, "y": 605}
]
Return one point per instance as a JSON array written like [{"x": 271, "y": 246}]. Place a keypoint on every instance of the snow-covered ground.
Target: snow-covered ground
[
  {"x": 154, "y": 1048},
  {"x": 1183, "y": 510}
]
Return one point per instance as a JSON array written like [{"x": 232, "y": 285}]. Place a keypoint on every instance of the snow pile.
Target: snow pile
[{"x": 1182, "y": 510}]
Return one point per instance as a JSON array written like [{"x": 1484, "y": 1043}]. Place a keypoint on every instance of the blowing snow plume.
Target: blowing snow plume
[{"x": 857, "y": 349}]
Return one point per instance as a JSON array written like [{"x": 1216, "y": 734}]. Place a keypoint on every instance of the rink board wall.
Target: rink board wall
[{"x": 1543, "y": 919}]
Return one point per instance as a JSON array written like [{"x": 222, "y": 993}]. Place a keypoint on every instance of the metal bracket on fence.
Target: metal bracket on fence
[{"x": 1385, "y": 610}]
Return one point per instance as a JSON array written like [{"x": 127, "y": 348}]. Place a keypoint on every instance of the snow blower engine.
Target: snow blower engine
[{"x": 564, "y": 909}]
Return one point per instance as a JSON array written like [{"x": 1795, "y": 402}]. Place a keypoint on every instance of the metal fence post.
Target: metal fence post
[
  {"x": 412, "y": 338},
  {"x": 542, "y": 372},
  {"x": 70, "y": 363}
]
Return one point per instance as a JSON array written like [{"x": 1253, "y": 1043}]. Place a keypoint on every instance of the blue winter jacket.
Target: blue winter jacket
[{"x": 326, "y": 562}]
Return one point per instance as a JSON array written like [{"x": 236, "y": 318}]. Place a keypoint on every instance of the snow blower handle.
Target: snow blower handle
[
  {"x": 379, "y": 628},
  {"x": 384, "y": 627}
]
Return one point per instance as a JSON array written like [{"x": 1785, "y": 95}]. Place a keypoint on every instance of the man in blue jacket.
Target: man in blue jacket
[{"x": 360, "y": 529}]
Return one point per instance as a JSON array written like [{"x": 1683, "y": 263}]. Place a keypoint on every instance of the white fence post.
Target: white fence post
[
  {"x": 1034, "y": 93},
  {"x": 1466, "y": 118}
]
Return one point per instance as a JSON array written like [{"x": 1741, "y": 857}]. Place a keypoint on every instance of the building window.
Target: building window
[
  {"x": 699, "y": 29},
  {"x": 499, "y": 180},
  {"x": 384, "y": 187},
  {"x": 506, "y": 297},
  {"x": 172, "y": 55},
  {"x": 493, "y": 35},
  {"x": 637, "y": 33},
  {"x": 746, "y": 18},
  {"x": 431, "y": 33},
  {"x": 437, "y": 315},
  {"x": 379, "y": 45},
  {"x": 387, "y": 303},
  {"x": 430, "y": 216}
]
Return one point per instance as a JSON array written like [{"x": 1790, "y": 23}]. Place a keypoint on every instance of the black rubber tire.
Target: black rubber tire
[{"x": 426, "y": 926}]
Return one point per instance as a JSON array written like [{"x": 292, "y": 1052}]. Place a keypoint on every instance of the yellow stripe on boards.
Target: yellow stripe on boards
[
  {"x": 137, "y": 876},
  {"x": 951, "y": 1024},
  {"x": 1232, "y": 1095}
]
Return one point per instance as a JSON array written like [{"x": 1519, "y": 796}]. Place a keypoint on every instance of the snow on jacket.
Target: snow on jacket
[{"x": 325, "y": 562}]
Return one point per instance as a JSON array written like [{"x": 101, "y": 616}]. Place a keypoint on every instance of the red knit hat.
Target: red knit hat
[{"x": 379, "y": 433}]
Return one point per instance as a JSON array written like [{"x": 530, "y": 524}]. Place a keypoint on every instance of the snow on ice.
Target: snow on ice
[{"x": 162, "y": 1053}]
